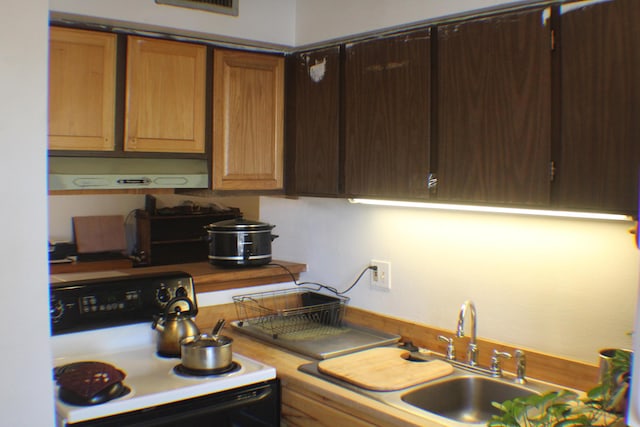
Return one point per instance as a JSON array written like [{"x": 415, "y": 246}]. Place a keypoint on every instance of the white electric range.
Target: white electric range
[{"x": 108, "y": 320}]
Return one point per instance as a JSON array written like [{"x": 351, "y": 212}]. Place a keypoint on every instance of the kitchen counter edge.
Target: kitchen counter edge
[
  {"x": 331, "y": 395},
  {"x": 209, "y": 278}
]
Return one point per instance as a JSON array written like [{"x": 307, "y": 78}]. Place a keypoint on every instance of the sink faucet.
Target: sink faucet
[{"x": 472, "y": 349}]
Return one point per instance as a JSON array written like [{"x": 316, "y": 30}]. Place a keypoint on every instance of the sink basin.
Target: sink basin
[
  {"x": 462, "y": 399},
  {"x": 466, "y": 399}
]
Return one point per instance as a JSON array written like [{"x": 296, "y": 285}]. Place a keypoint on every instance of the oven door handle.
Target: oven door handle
[{"x": 242, "y": 399}]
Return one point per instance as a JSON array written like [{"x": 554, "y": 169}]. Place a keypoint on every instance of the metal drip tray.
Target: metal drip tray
[{"x": 329, "y": 342}]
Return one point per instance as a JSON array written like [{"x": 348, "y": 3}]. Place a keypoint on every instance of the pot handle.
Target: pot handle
[
  {"x": 156, "y": 321},
  {"x": 191, "y": 312},
  {"x": 274, "y": 236}
]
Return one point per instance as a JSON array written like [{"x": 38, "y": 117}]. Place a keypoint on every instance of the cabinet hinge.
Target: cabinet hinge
[
  {"x": 552, "y": 170},
  {"x": 553, "y": 40}
]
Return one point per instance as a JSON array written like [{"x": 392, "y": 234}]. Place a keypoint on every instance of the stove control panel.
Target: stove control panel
[{"x": 104, "y": 302}]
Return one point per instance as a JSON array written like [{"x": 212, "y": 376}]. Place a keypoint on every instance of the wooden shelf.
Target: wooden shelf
[
  {"x": 210, "y": 278},
  {"x": 207, "y": 277},
  {"x": 85, "y": 266}
]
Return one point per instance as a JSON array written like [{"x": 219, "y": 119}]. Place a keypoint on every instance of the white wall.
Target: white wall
[
  {"x": 26, "y": 390},
  {"x": 269, "y": 21},
  {"x": 328, "y": 19},
  {"x": 285, "y": 22},
  {"x": 565, "y": 287},
  {"x": 63, "y": 208}
]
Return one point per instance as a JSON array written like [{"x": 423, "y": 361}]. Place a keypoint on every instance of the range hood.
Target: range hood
[{"x": 100, "y": 173}]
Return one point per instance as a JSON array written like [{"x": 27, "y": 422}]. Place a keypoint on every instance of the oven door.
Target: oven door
[{"x": 254, "y": 405}]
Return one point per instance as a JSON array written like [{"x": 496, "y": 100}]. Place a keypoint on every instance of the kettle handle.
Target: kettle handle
[{"x": 192, "y": 309}]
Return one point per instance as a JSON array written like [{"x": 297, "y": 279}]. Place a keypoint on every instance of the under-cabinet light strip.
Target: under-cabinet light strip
[{"x": 493, "y": 209}]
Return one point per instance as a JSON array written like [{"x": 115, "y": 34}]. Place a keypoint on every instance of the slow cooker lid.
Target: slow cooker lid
[{"x": 238, "y": 224}]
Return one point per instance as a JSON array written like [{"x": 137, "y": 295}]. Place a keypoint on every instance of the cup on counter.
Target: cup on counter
[
  {"x": 616, "y": 384},
  {"x": 605, "y": 374}
]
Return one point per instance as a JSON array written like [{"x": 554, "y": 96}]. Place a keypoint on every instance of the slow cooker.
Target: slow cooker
[{"x": 240, "y": 243}]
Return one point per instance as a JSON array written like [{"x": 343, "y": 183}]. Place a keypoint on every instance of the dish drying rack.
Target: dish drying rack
[{"x": 289, "y": 312}]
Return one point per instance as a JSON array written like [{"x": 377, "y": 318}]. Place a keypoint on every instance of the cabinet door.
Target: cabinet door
[
  {"x": 387, "y": 116},
  {"x": 600, "y": 120},
  {"x": 248, "y": 110},
  {"x": 494, "y": 103},
  {"x": 82, "y": 79},
  {"x": 314, "y": 120},
  {"x": 165, "y": 97},
  {"x": 301, "y": 410}
]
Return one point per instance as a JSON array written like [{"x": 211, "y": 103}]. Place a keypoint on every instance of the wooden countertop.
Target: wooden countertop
[
  {"x": 287, "y": 363},
  {"x": 208, "y": 277},
  {"x": 362, "y": 407},
  {"x": 541, "y": 366}
]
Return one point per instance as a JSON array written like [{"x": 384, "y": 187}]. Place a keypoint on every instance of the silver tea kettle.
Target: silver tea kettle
[{"x": 174, "y": 326}]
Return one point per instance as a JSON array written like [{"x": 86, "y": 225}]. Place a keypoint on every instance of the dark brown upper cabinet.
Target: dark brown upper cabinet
[
  {"x": 387, "y": 116},
  {"x": 597, "y": 167},
  {"x": 494, "y": 109},
  {"x": 313, "y": 120}
]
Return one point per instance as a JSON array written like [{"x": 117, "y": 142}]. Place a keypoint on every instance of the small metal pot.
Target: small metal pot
[
  {"x": 240, "y": 243},
  {"x": 206, "y": 353}
]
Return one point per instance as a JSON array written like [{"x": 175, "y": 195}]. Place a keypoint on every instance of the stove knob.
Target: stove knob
[
  {"x": 56, "y": 309},
  {"x": 163, "y": 295},
  {"x": 181, "y": 292}
]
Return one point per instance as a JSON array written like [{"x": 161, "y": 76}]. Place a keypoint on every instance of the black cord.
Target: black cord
[
  {"x": 322, "y": 286},
  {"x": 369, "y": 267},
  {"x": 293, "y": 278}
]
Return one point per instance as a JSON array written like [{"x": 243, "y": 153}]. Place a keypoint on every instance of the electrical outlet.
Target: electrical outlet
[{"x": 381, "y": 278}]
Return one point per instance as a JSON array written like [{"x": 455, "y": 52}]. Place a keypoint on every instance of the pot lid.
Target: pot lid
[{"x": 239, "y": 224}]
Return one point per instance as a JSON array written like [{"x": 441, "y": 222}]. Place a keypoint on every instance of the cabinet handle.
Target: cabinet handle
[{"x": 432, "y": 181}]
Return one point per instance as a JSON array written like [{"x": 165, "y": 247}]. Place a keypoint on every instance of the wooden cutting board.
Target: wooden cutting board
[
  {"x": 103, "y": 233},
  {"x": 383, "y": 369}
]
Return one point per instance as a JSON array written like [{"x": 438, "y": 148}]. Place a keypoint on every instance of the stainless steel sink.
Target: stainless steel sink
[
  {"x": 466, "y": 399},
  {"x": 460, "y": 399}
]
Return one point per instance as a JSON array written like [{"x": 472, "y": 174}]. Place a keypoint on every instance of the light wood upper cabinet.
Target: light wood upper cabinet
[
  {"x": 82, "y": 80},
  {"x": 248, "y": 115},
  {"x": 165, "y": 96}
]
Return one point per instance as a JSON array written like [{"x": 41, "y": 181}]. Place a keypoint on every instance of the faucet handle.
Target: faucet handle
[
  {"x": 472, "y": 354},
  {"x": 451, "y": 350},
  {"x": 496, "y": 369},
  {"x": 521, "y": 365}
]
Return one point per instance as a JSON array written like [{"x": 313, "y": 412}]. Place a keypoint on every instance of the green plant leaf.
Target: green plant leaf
[
  {"x": 597, "y": 392},
  {"x": 502, "y": 423},
  {"x": 574, "y": 422},
  {"x": 562, "y": 408}
]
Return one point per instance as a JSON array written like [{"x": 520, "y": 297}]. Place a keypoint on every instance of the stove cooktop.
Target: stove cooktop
[
  {"x": 108, "y": 319},
  {"x": 152, "y": 378}
]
